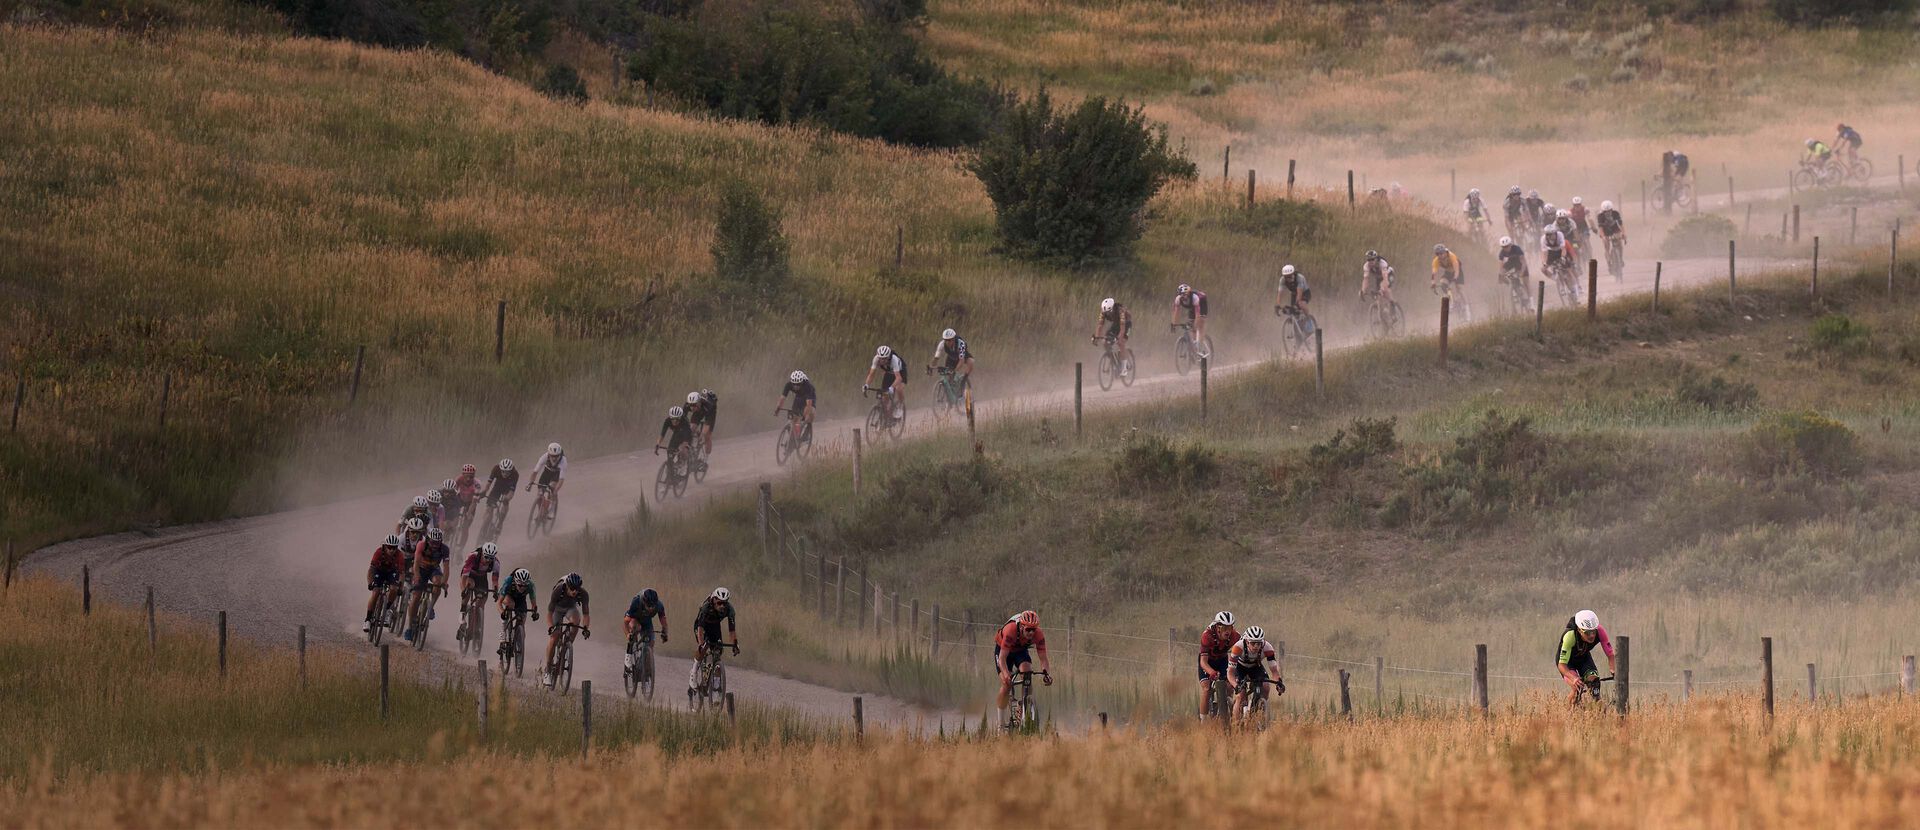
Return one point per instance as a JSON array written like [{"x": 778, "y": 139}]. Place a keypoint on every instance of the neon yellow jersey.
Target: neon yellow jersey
[{"x": 1447, "y": 264}]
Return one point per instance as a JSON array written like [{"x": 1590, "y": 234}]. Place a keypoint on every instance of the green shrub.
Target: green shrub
[
  {"x": 1829, "y": 12},
  {"x": 1071, "y": 186},
  {"x": 1500, "y": 466},
  {"x": 564, "y": 84},
  {"x": 1716, "y": 393},
  {"x": 1151, "y": 461},
  {"x": 1841, "y": 335},
  {"x": 748, "y": 245},
  {"x": 1703, "y": 235},
  {"x": 922, "y": 498},
  {"x": 1808, "y": 442},
  {"x": 1370, "y": 438}
]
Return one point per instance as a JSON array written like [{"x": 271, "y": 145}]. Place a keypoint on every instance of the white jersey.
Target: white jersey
[{"x": 549, "y": 461}]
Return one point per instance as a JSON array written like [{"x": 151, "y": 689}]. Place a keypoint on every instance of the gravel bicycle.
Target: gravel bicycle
[
  {"x": 1518, "y": 297},
  {"x": 461, "y": 524},
  {"x": 950, "y": 395},
  {"x": 638, "y": 669},
  {"x": 1187, "y": 353},
  {"x": 1565, "y": 282},
  {"x": 422, "y": 614},
  {"x": 545, "y": 510},
  {"x": 1254, "y": 712},
  {"x": 674, "y": 473},
  {"x": 1296, "y": 329},
  {"x": 1114, "y": 365},
  {"x": 513, "y": 641},
  {"x": 385, "y": 613},
  {"x": 1022, "y": 714},
  {"x": 1383, "y": 316},
  {"x": 473, "y": 627},
  {"x": 496, "y": 518},
  {"x": 1617, "y": 256},
  {"x": 560, "y": 671},
  {"x": 887, "y": 417},
  {"x": 709, "y": 686},
  {"x": 1817, "y": 174},
  {"x": 1591, "y": 689},
  {"x": 796, "y": 439},
  {"x": 1456, "y": 291}
]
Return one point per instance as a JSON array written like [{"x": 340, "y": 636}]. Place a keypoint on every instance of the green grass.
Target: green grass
[{"x": 84, "y": 694}]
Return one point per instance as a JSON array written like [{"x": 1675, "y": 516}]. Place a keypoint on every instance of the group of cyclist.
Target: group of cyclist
[
  {"x": 690, "y": 426},
  {"x": 1565, "y": 235},
  {"x": 1845, "y": 145},
  {"x": 1245, "y": 659}
]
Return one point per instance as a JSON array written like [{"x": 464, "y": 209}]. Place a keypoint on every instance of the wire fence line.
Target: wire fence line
[{"x": 832, "y": 583}]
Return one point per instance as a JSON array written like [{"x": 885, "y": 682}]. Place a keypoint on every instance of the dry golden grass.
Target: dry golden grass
[{"x": 1714, "y": 765}]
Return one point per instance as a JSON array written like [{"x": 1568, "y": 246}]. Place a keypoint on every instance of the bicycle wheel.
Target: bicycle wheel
[
  {"x": 1683, "y": 194},
  {"x": 631, "y": 676},
  {"x": 421, "y": 619},
  {"x": 1182, "y": 355},
  {"x": 1126, "y": 369},
  {"x": 806, "y": 441},
  {"x": 698, "y": 466},
  {"x": 875, "y": 417},
  {"x": 644, "y": 666},
  {"x": 1803, "y": 179},
  {"x": 1108, "y": 370},
  {"x": 1862, "y": 170},
  {"x": 533, "y": 520},
  {"x": 565, "y": 658},
  {"x": 1291, "y": 337},
  {"x": 663, "y": 481},
  {"x": 898, "y": 426},
  {"x": 680, "y": 480},
  {"x": 519, "y": 650},
  {"x": 1205, "y": 349},
  {"x": 783, "y": 445}
]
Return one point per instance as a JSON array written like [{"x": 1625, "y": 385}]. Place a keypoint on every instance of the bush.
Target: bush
[
  {"x": 1804, "y": 442},
  {"x": 1703, "y": 235},
  {"x": 1152, "y": 461},
  {"x": 564, "y": 84},
  {"x": 1071, "y": 186},
  {"x": 748, "y": 245},
  {"x": 1716, "y": 393},
  {"x": 1826, "y": 12},
  {"x": 1370, "y": 438},
  {"x": 921, "y": 499},
  {"x": 1839, "y": 334}
]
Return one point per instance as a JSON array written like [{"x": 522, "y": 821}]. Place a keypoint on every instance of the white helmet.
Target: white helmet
[
  {"x": 797, "y": 377},
  {"x": 676, "y": 412},
  {"x": 721, "y": 594},
  {"x": 1185, "y": 288},
  {"x": 949, "y": 334},
  {"x": 1606, "y": 204},
  {"x": 1576, "y": 200},
  {"x": 1473, "y": 193},
  {"x": 883, "y": 351},
  {"x": 554, "y": 448},
  {"x": 490, "y": 551},
  {"x": 506, "y": 465},
  {"x": 1223, "y": 618},
  {"x": 1562, "y": 214},
  {"x": 433, "y": 496},
  {"x": 693, "y": 397},
  {"x": 419, "y": 501},
  {"x": 1505, "y": 241},
  {"x": 416, "y": 524},
  {"x": 1533, "y": 194},
  {"x": 393, "y": 540},
  {"x": 1586, "y": 621},
  {"x": 1254, "y": 634},
  {"x": 1513, "y": 191},
  {"x": 1106, "y": 304},
  {"x": 1286, "y": 271}
]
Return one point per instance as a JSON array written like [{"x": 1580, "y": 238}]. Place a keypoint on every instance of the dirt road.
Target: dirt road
[{"x": 307, "y": 566}]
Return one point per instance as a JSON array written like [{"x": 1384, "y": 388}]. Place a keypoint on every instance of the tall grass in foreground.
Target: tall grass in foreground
[
  {"x": 1717, "y": 765},
  {"x": 83, "y": 694}
]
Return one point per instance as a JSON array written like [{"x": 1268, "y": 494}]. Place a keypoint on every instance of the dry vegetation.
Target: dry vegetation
[{"x": 1714, "y": 765}]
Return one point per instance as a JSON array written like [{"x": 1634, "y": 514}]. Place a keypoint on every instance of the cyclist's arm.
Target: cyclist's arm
[
  {"x": 1040, "y": 644},
  {"x": 730, "y": 621},
  {"x": 662, "y": 613}
]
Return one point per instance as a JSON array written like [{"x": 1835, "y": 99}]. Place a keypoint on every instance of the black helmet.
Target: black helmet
[
  {"x": 1373, "y": 255},
  {"x": 573, "y": 580},
  {"x": 649, "y": 597}
]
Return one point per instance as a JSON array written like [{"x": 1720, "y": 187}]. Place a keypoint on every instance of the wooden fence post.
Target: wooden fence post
[
  {"x": 1686, "y": 685},
  {"x": 1746, "y": 228},
  {"x": 859, "y": 718},
  {"x": 1623, "y": 676},
  {"x": 302, "y": 637},
  {"x": 1319, "y": 362},
  {"x": 359, "y": 362},
  {"x": 385, "y": 674},
  {"x": 730, "y": 716},
  {"x": 1249, "y": 187},
  {"x": 1446, "y": 304},
  {"x": 822, "y": 587},
  {"x": 973, "y": 653},
  {"x": 1732, "y": 286},
  {"x": 1729, "y": 193},
  {"x": 1480, "y": 678},
  {"x": 1173, "y": 662},
  {"x": 935, "y": 632},
  {"x": 1346, "y": 697},
  {"x": 857, "y": 439},
  {"x": 1766, "y": 676},
  {"x": 1657, "y": 268},
  {"x": 1379, "y": 685},
  {"x": 153, "y": 633},
  {"x": 1289, "y": 178},
  {"x": 765, "y": 515},
  {"x": 500, "y": 332},
  {"x": 1079, "y": 373},
  {"x": 1796, "y": 224},
  {"x": 1816, "y": 267},
  {"x": 8, "y": 584},
  {"x": 86, "y": 591},
  {"x": 1893, "y": 257},
  {"x": 840, "y": 591},
  {"x": 222, "y": 625},
  {"x": 1906, "y": 675},
  {"x": 586, "y": 717},
  {"x": 166, "y": 392},
  {"x": 1103, "y": 721},
  {"x": 1072, "y": 661},
  {"x": 481, "y": 696},
  {"x": 1350, "y": 202},
  {"x": 1813, "y": 687},
  {"x": 1226, "y": 165},
  {"x": 913, "y": 625},
  {"x": 1203, "y": 364},
  {"x": 1593, "y": 290},
  {"x": 1540, "y": 312}
]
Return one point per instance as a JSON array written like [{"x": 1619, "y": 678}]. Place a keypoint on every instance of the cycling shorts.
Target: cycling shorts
[
  {"x": 1114, "y": 329},
  {"x": 676, "y": 440},
  {"x": 474, "y": 582},
  {"x": 385, "y": 577},
  {"x": 1012, "y": 660},
  {"x": 547, "y": 477},
  {"x": 1218, "y": 664},
  {"x": 569, "y": 614},
  {"x": 426, "y": 577},
  {"x": 711, "y": 633},
  {"x": 1257, "y": 671},
  {"x": 1198, "y": 309},
  {"x": 1584, "y": 666},
  {"x": 1373, "y": 282},
  {"x": 889, "y": 379},
  {"x": 520, "y": 603}
]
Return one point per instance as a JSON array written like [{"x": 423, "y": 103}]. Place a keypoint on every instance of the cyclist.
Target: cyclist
[
  {"x": 953, "y": 351},
  {"x": 1195, "y": 304},
  {"x": 1215, "y": 642},
  {"x": 1581, "y": 227},
  {"x": 1376, "y": 277},
  {"x": 1513, "y": 262},
  {"x": 638, "y": 622},
  {"x": 516, "y": 595},
  {"x": 1576, "y": 652},
  {"x": 1446, "y": 268},
  {"x": 437, "y": 504},
  {"x": 429, "y": 571},
  {"x": 465, "y": 490},
  {"x": 1472, "y": 207},
  {"x": 1818, "y": 153},
  {"x": 706, "y": 630},
  {"x": 567, "y": 605},
  {"x": 1516, "y": 210},
  {"x": 1681, "y": 165},
  {"x": 1563, "y": 221},
  {"x": 1848, "y": 140},
  {"x": 703, "y": 410},
  {"x": 1556, "y": 252},
  {"x": 415, "y": 533},
  {"x": 551, "y": 472},
  {"x": 1295, "y": 294},
  {"x": 383, "y": 575},
  {"x": 420, "y": 509},
  {"x": 676, "y": 431},
  {"x": 1010, "y": 646},
  {"x": 893, "y": 378},
  {"x": 481, "y": 571},
  {"x": 1254, "y": 660},
  {"x": 1114, "y": 324},
  {"x": 804, "y": 395},
  {"x": 1537, "y": 214},
  {"x": 500, "y": 483},
  {"x": 1610, "y": 223}
]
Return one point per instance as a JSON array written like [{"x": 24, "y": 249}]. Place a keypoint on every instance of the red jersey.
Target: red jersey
[
  {"x": 1012, "y": 637},
  {"x": 466, "y": 486},
  {"x": 1215, "y": 646},
  {"x": 386, "y": 559},
  {"x": 475, "y": 566}
]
